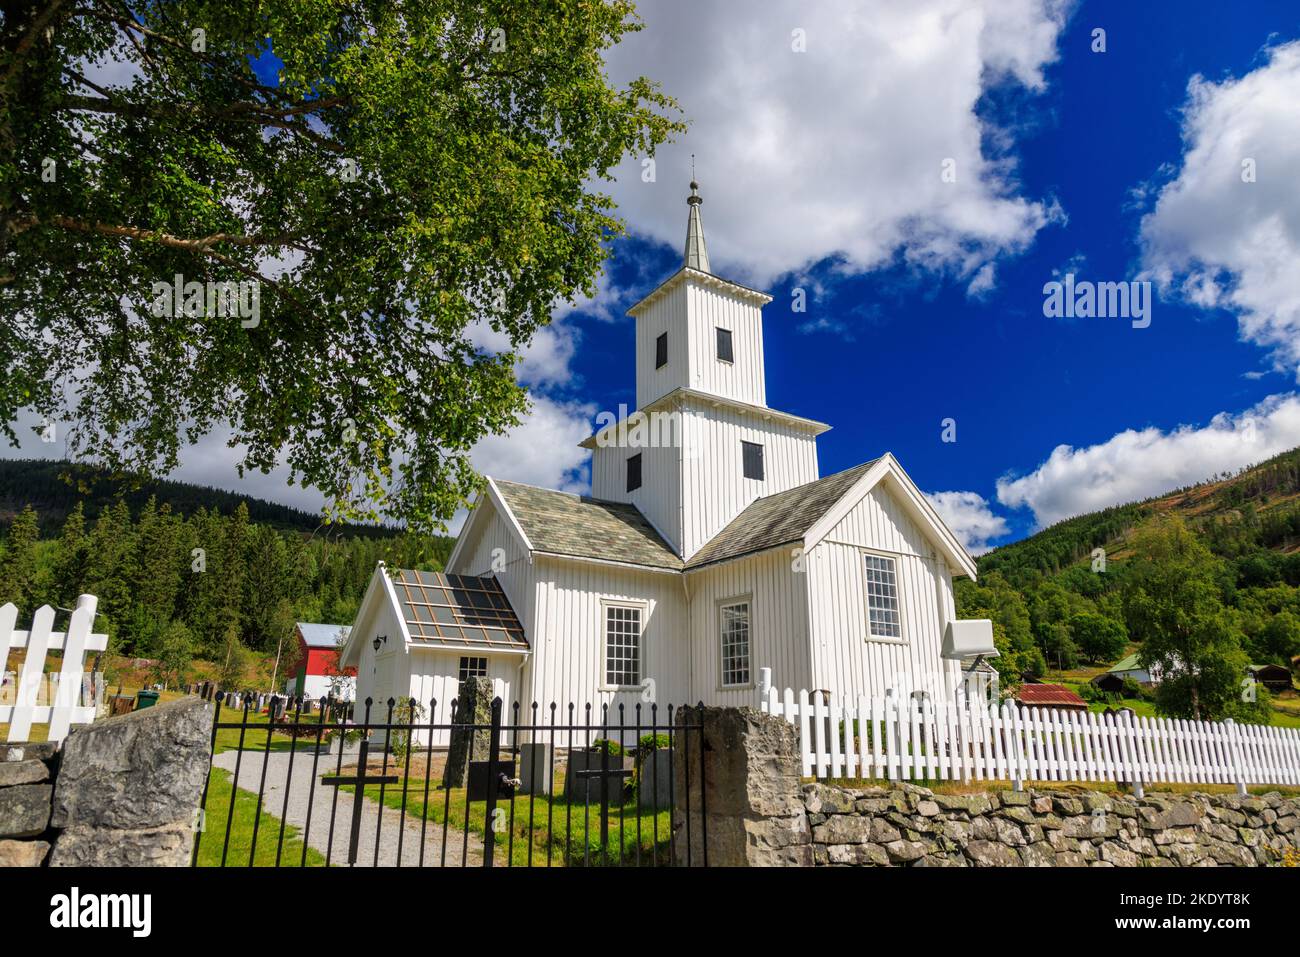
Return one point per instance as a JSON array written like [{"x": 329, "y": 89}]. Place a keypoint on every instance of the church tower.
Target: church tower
[{"x": 703, "y": 443}]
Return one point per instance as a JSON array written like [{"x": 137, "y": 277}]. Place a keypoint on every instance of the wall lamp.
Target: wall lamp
[{"x": 380, "y": 640}]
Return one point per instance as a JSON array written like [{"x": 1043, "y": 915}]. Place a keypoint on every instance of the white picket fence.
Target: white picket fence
[
  {"x": 914, "y": 737},
  {"x": 60, "y": 699}
]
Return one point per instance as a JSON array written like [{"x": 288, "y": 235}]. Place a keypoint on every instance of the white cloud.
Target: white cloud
[
  {"x": 983, "y": 282},
  {"x": 1218, "y": 241},
  {"x": 969, "y": 517},
  {"x": 838, "y": 151},
  {"x": 1138, "y": 464},
  {"x": 543, "y": 449}
]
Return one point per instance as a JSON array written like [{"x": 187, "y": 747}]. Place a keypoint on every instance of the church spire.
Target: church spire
[{"x": 697, "y": 254}]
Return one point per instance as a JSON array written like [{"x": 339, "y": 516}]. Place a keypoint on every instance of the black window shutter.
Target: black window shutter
[
  {"x": 634, "y": 473},
  {"x": 661, "y": 351},
  {"x": 724, "y": 345},
  {"x": 752, "y": 456}
]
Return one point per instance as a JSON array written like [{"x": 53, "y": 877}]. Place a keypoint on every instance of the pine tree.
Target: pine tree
[
  {"x": 18, "y": 567},
  {"x": 71, "y": 558}
]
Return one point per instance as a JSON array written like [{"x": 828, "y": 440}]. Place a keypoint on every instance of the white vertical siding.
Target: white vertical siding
[
  {"x": 778, "y": 623},
  {"x": 434, "y": 676},
  {"x": 690, "y": 313},
  {"x": 714, "y": 489},
  {"x": 659, "y": 497},
  {"x": 668, "y": 314},
  {"x": 379, "y": 675},
  {"x": 568, "y": 642},
  {"x": 743, "y": 378},
  {"x": 845, "y": 660}
]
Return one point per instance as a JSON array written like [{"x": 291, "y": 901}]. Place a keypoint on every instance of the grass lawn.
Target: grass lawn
[
  {"x": 241, "y": 831},
  {"x": 568, "y": 831},
  {"x": 255, "y": 738}
]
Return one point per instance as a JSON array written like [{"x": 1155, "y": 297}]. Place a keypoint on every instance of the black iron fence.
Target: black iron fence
[{"x": 298, "y": 784}]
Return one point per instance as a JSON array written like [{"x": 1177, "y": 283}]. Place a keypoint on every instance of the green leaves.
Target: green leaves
[{"x": 413, "y": 170}]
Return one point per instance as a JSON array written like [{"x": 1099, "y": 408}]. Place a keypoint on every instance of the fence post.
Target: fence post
[
  {"x": 1238, "y": 777},
  {"x": 1010, "y": 721},
  {"x": 489, "y": 813},
  {"x": 764, "y": 687},
  {"x": 1131, "y": 747},
  {"x": 963, "y": 725}
]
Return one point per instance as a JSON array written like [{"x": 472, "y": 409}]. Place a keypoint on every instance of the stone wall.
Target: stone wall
[
  {"x": 122, "y": 792},
  {"x": 760, "y": 814},
  {"x": 908, "y": 825},
  {"x": 750, "y": 765}
]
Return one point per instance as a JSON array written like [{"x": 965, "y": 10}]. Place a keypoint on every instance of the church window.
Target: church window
[
  {"x": 724, "y": 345},
  {"x": 622, "y": 646}
]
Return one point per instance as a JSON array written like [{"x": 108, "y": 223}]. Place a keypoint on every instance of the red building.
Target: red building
[
  {"x": 1050, "y": 696},
  {"x": 318, "y": 658}
]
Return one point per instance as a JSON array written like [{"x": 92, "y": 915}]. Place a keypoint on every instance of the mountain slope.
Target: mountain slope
[
  {"x": 1255, "y": 509},
  {"x": 52, "y": 488}
]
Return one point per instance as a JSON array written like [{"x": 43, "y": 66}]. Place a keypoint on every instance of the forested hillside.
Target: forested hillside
[
  {"x": 1208, "y": 573},
  {"x": 53, "y": 488},
  {"x": 184, "y": 578}
]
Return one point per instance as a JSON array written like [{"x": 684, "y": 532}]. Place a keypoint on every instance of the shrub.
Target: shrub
[{"x": 408, "y": 711}]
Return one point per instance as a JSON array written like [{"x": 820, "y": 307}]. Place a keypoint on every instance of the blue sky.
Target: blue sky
[
  {"x": 891, "y": 346},
  {"x": 821, "y": 135}
]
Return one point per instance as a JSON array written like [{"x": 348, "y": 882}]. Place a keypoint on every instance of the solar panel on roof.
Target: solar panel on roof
[{"x": 458, "y": 610}]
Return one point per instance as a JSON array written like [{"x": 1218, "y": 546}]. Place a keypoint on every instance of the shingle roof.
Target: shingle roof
[
  {"x": 777, "y": 519},
  {"x": 457, "y": 610},
  {"x": 318, "y": 635},
  {"x": 567, "y": 524}
]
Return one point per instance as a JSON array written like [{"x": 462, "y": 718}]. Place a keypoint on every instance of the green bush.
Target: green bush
[
  {"x": 651, "y": 742},
  {"x": 602, "y": 744},
  {"x": 408, "y": 711}
]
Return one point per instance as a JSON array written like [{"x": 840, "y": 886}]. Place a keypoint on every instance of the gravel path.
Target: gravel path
[{"x": 301, "y": 789}]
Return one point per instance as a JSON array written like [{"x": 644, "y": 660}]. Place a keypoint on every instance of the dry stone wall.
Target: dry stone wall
[
  {"x": 122, "y": 792},
  {"x": 760, "y": 813},
  {"x": 909, "y": 825}
]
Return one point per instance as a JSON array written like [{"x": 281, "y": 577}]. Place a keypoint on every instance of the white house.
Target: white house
[{"x": 709, "y": 548}]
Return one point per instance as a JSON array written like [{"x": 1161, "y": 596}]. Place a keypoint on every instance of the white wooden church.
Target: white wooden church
[{"x": 709, "y": 548}]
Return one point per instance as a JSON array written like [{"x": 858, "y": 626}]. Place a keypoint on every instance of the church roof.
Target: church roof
[
  {"x": 778, "y": 519},
  {"x": 696, "y": 254},
  {"x": 562, "y": 523},
  {"x": 680, "y": 395}
]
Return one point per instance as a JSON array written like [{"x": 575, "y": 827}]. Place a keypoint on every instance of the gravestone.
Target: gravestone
[
  {"x": 466, "y": 744},
  {"x": 590, "y": 775},
  {"x": 655, "y": 781},
  {"x": 535, "y": 768}
]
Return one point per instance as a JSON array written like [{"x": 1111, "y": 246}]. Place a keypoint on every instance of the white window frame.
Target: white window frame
[
  {"x": 644, "y": 609},
  {"x": 723, "y": 603},
  {"x": 901, "y": 637},
  {"x": 483, "y": 658}
]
